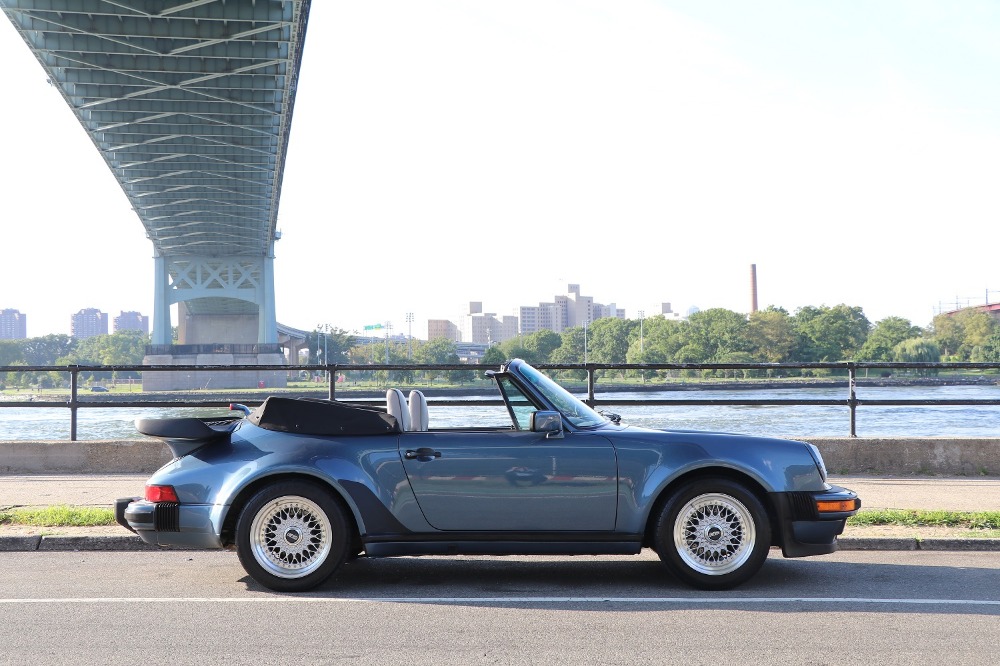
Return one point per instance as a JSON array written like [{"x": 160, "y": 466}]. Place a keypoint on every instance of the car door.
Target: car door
[{"x": 512, "y": 480}]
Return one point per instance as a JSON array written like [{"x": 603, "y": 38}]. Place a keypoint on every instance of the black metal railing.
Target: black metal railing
[{"x": 847, "y": 372}]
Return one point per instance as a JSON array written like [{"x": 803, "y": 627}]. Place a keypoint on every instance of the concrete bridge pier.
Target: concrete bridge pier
[{"x": 226, "y": 316}]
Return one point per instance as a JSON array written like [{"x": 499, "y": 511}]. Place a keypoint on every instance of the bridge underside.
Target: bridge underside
[{"x": 190, "y": 104}]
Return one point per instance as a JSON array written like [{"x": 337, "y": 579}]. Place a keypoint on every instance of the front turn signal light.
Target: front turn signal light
[{"x": 838, "y": 506}]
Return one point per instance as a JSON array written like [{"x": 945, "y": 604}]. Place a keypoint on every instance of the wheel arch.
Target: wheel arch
[
  {"x": 248, "y": 491},
  {"x": 746, "y": 480}
]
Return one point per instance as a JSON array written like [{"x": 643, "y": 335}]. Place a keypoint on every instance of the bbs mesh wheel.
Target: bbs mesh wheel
[
  {"x": 713, "y": 534},
  {"x": 292, "y": 536}
]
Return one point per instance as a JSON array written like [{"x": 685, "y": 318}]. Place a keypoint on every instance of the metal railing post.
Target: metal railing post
[
  {"x": 331, "y": 381},
  {"x": 73, "y": 377},
  {"x": 591, "y": 373},
  {"x": 852, "y": 397}
]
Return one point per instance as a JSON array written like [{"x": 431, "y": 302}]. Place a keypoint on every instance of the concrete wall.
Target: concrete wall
[
  {"x": 90, "y": 457},
  {"x": 195, "y": 379},
  {"x": 907, "y": 457},
  {"x": 893, "y": 457},
  {"x": 209, "y": 329}
]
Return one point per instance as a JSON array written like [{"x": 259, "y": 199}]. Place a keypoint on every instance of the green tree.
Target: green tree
[
  {"x": 719, "y": 333},
  {"x": 541, "y": 344},
  {"x": 608, "y": 339},
  {"x": 958, "y": 334},
  {"x": 571, "y": 348},
  {"x": 884, "y": 337},
  {"x": 991, "y": 350},
  {"x": 442, "y": 351},
  {"x": 948, "y": 333},
  {"x": 119, "y": 348},
  {"x": 572, "y": 351},
  {"x": 830, "y": 334},
  {"x": 438, "y": 351},
  {"x": 336, "y": 343},
  {"x": 917, "y": 350},
  {"x": 515, "y": 348},
  {"x": 11, "y": 352},
  {"x": 691, "y": 353},
  {"x": 493, "y": 356},
  {"x": 46, "y": 349},
  {"x": 664, "y": 338},
  {"x": 772, "y": 335}
]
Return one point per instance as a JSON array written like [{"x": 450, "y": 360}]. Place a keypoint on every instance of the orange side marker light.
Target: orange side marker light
[{"x": 824, "y": 506}]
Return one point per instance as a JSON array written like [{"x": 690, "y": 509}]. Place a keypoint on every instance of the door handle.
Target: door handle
[{"x": 422, "y": 452}]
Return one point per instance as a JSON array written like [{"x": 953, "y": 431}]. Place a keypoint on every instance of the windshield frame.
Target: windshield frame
[{"x": 574, "y": 410}]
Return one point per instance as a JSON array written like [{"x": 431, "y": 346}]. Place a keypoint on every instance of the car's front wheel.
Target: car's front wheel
[
  {"x": 292, "y": 536},
  {"x": 713, "y": 534}
]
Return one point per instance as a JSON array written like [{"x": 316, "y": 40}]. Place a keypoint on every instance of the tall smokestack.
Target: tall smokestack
[{"x": 753, "y": 288}]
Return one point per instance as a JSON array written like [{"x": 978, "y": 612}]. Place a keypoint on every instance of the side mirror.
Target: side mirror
[{"x": 548, "y": 422}]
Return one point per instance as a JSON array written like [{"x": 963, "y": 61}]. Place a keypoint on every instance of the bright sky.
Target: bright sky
[{"x": 445, "y": 151}]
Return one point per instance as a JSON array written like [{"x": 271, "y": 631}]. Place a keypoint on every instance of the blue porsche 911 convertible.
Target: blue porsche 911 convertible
[{"x": 301, "y": 486}]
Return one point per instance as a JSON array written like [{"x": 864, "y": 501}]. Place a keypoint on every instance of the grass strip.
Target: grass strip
[
  {"x": 58, "y": 516},
  {"x": 973, "y": 520}
]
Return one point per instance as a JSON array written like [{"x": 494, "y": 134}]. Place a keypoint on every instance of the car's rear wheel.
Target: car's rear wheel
[
  {"x": 713, "y": 534},
  {"x": 292, "y": 536}
]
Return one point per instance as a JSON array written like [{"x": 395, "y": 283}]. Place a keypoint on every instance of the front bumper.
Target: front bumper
[
  {"x": 803, "y": 529},
  {"x": 168, "y": 523}
]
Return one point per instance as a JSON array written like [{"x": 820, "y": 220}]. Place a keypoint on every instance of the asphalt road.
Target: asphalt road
[{"x": 860, "y": 607}]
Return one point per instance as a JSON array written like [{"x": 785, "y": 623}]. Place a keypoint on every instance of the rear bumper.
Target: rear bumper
[
  {"x": 803, "y": 529},
  {"x": 168, "y": 523}
]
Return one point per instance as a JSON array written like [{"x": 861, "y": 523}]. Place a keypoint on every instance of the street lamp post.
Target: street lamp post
[
  {"x": 642, "y": 373},
  {"x": 388, "y": 329},
  {"x": 642, "y": 314},
  {"x": 584, "y": 341},
  {"x": 325, "y": 330},
  {"x": 409, "y": 336}
]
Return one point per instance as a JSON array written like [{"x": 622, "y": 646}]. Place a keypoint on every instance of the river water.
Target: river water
[{"x": 18, "y": 423}]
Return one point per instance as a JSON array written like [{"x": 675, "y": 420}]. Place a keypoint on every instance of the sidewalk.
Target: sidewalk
[{"x": 926, "y": 493}]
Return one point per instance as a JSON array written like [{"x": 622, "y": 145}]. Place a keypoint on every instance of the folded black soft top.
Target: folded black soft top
[{"x": 310, "y": 416}]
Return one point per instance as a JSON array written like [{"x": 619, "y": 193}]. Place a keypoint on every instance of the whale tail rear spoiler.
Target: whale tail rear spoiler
[{"x": 185, "y": 435}]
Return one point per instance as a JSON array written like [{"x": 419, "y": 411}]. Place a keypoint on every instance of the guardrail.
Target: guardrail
[{"x": 848, "y": 369}]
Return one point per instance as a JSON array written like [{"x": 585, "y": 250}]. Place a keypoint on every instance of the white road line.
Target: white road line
[{"x": 678, "y": 601}]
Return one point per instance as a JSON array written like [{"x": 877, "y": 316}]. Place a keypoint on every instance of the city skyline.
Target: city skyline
[
  {"x": 136, "y": 321},
  {"x": 650, "y": 150}
]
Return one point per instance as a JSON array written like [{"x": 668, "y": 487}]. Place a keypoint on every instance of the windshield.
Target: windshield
[{"x": 578, "y": 413}]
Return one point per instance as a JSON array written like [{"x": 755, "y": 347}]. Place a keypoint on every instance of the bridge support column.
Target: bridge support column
[
  {"x": 162, "y": 333},
  {"x": 267, "y": 321}
]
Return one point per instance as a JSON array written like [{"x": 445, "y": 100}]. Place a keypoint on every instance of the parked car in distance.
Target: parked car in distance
[
  {"x": 99, "y": 389},
  {"x": 301, "y": 486}
]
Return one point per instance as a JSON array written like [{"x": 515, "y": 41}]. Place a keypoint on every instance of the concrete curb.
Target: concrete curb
[
  {"x": 911, "y": 543},
  {"x": 11, "y": 544},
  {"x": 134, "y": 543},
  {"x": 94, "y": 543}
]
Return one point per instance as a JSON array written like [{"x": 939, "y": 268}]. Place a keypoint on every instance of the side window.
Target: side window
[{"x": 520, "y": 407}]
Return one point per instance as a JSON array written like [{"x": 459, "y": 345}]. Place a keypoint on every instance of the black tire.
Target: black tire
[
  {"x": 292, "y": 536},
  {"x": 713, "y": 534}
]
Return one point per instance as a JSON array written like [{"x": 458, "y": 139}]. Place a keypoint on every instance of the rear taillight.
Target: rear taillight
[{"x": 161, "y": 494}]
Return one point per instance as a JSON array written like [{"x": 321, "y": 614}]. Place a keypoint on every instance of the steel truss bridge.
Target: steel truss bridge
[{"x": 190, "y": 104}]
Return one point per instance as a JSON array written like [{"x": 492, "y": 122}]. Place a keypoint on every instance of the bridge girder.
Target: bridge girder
[{"x": 190, "y": 104}]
